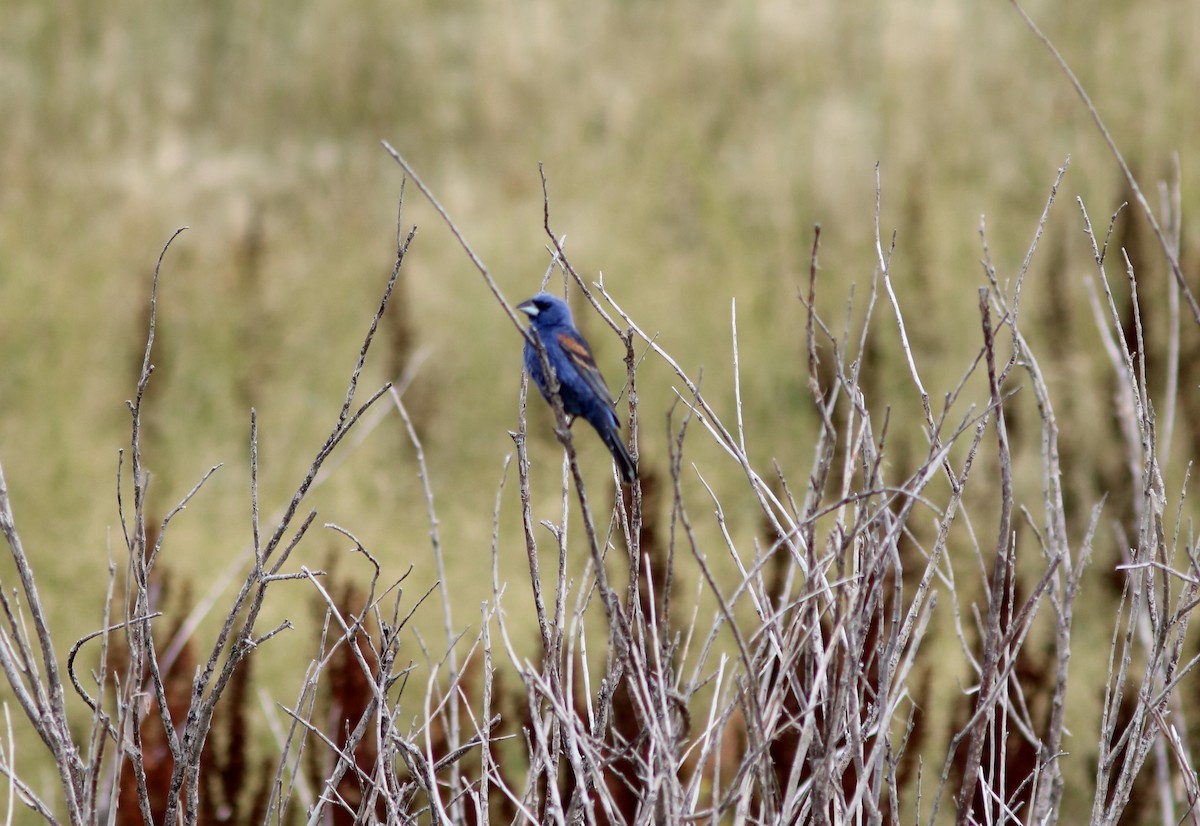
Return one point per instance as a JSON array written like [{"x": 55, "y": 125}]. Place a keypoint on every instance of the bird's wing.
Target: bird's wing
[{"x": 580, "y": 356}]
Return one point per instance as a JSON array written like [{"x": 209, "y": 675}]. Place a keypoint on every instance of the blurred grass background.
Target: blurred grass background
[{"x": 689, "y": 147}]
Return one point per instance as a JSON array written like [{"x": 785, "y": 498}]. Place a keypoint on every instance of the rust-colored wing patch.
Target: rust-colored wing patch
[
  {"x": 585, "y": 366},
  {"x": 576, "y": 349}
]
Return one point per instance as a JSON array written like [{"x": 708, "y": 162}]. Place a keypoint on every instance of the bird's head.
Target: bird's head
[{"x": 546, "y": 310}]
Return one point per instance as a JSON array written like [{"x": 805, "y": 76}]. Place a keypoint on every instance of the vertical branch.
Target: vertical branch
[
  {"x": 519, "y": 438},
  {"x": 42, "y": 701},
  {"x": 994, "y": 633},
  {"x": 440, "y": 563},
  {"x": 885, "y": 269},
  {"x": 1172, "y": 208}
]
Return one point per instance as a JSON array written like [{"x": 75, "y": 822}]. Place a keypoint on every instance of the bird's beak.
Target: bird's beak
[{"x": 529, "y": 308}]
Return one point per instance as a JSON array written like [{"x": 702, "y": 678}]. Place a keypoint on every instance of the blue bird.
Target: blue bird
[{"x": 581, "y": 387}]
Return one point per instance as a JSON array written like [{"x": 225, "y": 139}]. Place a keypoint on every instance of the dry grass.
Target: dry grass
[
  {"x": 800, "y": 690},
  {"x": 688, "y": 152}
]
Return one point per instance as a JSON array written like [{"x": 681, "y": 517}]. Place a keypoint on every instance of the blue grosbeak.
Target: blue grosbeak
[{"x": 581, "y": 387}]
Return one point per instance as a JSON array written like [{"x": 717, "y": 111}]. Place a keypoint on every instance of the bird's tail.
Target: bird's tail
[{"x": 625, "y": 465}]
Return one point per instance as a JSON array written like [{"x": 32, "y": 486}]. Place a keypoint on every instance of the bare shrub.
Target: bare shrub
[{"x": 806, "y": 687}]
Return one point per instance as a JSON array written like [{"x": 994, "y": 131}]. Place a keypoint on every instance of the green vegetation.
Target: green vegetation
[{"x": 689, "y": 150}]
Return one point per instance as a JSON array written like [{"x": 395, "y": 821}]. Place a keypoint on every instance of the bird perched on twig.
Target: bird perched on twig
[{"x": 581, "y": 387}]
